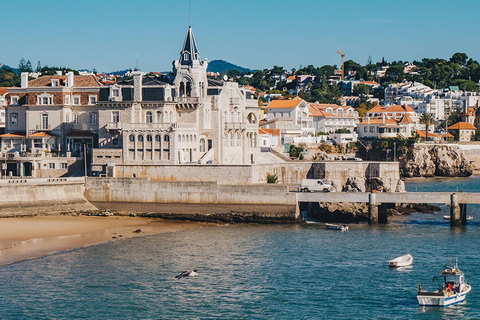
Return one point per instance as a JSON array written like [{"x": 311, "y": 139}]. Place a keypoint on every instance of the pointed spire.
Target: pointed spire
[{"x": 190, "y": 50}]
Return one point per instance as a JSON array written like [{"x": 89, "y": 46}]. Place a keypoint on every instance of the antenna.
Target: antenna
[{"x": 189, "y": 10}]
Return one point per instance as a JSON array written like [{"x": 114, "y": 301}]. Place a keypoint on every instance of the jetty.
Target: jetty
[{"x": 379, "y": 202}]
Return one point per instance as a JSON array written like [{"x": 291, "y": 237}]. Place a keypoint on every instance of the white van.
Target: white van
[{"x": 315, "y": 185}]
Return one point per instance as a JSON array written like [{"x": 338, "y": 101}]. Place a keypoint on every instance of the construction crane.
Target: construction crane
[{"x": 343, "y": 58}]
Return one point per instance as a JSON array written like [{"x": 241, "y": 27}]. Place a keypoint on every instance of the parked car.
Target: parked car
[{"x": 309, "y": 185}]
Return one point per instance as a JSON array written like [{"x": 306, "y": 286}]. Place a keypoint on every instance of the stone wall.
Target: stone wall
[
  {"x": 42, "y": 196},
  {"x": 206, "y": 201}
]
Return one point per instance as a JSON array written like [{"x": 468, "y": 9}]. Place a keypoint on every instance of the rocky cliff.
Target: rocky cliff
[{"x": 434, "y": 160}]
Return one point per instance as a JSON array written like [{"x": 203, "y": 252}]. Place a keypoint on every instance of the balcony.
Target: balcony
[
  {"x": 42, "y": 127},
  {"x": 188, "y": 102},
  {"x": 114, "y": 126},
  {"x": 235, "y": 126}
]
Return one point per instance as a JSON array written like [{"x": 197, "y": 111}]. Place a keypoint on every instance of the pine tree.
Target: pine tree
[
  {"x": 39, "y": 67},
  {"x": 28, "y": 66},
  {"x": 21, "y": 65}
]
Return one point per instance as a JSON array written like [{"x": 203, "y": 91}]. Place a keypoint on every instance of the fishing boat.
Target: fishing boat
[
  {"x": 447, "y": 217},
  {"x": 336, "y": 227},
  {"x": 453, "y": 289},
  {"x": 403, "y": 261}
]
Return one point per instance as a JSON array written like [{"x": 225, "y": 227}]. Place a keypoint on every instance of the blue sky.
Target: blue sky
[{"x": 257, "y": 34}]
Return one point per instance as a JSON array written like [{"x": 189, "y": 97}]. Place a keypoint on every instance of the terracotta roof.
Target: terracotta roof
[
  {"x": 423, "y": 134},
  {"x": 3, "y": 90},
  {"x": 406, "y": 119},
  {"x": 395, "y": 108},
  {"x": 39, "y": 135},
  {"x": 462, "y": 126},
  {"x": 321, "y": 113},
  {"x": 78, "y": 81},
  {"x": 291, "y": 78},
  {"x": 11, "y": 135},
  {"x": 273, "y": 132},
  {"x": 369, "y": 82},
  {"x": 283, "y": 104}
]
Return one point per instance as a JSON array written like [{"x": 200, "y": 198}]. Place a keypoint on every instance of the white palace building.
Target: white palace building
[{"x": 189, "y": 119}]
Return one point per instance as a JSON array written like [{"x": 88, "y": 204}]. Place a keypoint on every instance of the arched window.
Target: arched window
[
  {"x": 182, "y": 89},
  {"x": 132, "y": 138},
  {"x": 159, "y": 117},
  {"x": 239, "y": 138},
  {"x": 202, "y": 145},
  {"x": 149, "y": 117},
  {"x": 189, "y": 89},
  {"x": 140, "y": 138},
  {"x": 251, "y": 118},
  {"x": 149, "y": 138},
  {"x": 158, "y": 138},
  {"x": 171, "y": 117},
  {"x": 166, "y": 138}
]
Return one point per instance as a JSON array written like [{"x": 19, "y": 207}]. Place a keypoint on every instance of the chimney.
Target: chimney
[
  {"x": 137, "y": 85},
  {"x": 58, "y": 72},
  {"x": 24, "y": 80},
  {"x": 70, "y": 79}
]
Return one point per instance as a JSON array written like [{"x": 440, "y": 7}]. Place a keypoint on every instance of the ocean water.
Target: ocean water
[{"x": 253, "y": 272}]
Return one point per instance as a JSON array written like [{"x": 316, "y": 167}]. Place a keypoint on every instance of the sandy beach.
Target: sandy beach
[{"x": 30, "y": 237}]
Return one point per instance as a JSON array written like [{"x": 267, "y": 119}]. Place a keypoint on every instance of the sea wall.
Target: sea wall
[
  {"x": 290, "y": 173},
  {"x": 42, "y": 196},
  {"x": 206, "y": 201}
]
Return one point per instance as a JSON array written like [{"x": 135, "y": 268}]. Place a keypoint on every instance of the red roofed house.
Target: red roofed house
[
  {"x": 394, "y": 111},
  {"x": 269, "y": 138},
  {"x": 292, "y": 117},
  {"x": 463, "y": 130},
  {"x": 385, "y": 127},
  {"x": 329, "y": 118}
]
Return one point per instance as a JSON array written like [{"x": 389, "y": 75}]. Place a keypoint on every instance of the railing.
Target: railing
[
  {"x": 42, "y": 127},
  {"x": 114, "y": 126},
  {"x": 193, "y": 100},
  {"x": 235, "y": 126}
]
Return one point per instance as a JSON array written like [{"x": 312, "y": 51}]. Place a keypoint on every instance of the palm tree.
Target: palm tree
[{"x": 427, "y": 119}]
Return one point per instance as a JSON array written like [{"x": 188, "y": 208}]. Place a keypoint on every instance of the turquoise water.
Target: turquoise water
[{"x": 251, "y": 272}]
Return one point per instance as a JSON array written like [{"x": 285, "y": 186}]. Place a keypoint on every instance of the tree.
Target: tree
[
  {"x": 22, "y": 65},
  {"x": 361, "y": 89},
  {"x": 460, "y": 58},
  {"x": 427, "y": 119},
  {"x": 28, "y": 66},
  {"x": 39, "y": 67}
]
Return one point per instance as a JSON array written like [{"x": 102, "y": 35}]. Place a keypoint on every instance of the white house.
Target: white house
[
  {"x": 329, "y": 118},
  {"x": 292, "y": 117}
]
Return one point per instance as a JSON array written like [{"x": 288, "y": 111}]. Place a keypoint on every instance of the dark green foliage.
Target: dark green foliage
[
  {"x": 272, "y": 178},
  {"x": 8, "y": 78},
  {"x": 296, "y": 152}
]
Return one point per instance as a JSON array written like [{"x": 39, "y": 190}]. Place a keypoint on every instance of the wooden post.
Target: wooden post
[
  {"x": 455, "y": 212},
  {"x": 372, "y": 209}
]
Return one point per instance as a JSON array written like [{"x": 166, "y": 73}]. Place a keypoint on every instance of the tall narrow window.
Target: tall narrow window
[
  {"x": 93, "y": 118},
  {"x": 115, "y": 116},
  {"x": 149, "y": 117},
  {"x": 76, "y": 119},
  {"x": 45, "y": 122}
]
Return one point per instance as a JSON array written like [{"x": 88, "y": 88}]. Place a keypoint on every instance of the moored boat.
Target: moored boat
[
  {"x": 336, "y": 227},
  {"x": 403, "y": 261},
  {"x": 452, "y": 290},
  {"x": 447, "y": 217}
]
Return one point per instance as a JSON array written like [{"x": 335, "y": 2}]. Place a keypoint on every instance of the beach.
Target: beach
[{"x": 24, "y": 238}]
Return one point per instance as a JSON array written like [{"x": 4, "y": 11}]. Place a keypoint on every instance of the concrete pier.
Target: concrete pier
[
  {"x": 372, "y": 209},
  {"x": 455, "y": 211}
]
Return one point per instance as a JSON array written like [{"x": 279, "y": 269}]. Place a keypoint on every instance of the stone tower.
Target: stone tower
[{"x": 190, "y": 72}]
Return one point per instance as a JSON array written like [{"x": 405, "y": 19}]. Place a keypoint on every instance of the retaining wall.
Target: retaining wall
[
  {"x": 42, "y": 196},
  {"x": 194, "y": 200}
]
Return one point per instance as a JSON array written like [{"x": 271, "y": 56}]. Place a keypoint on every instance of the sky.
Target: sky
[{"x": 108, "y": 35}]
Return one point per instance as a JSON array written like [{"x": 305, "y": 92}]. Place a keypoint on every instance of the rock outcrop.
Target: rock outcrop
[{"x": 435, "y": 160}]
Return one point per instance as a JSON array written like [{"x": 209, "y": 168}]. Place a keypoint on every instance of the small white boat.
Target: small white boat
[
  {"x": 453, "y": 289},
  {"x": 403, "y": 261},
  {"x": 447, "y": 217},
  {"x": 336, "y": 227}
]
